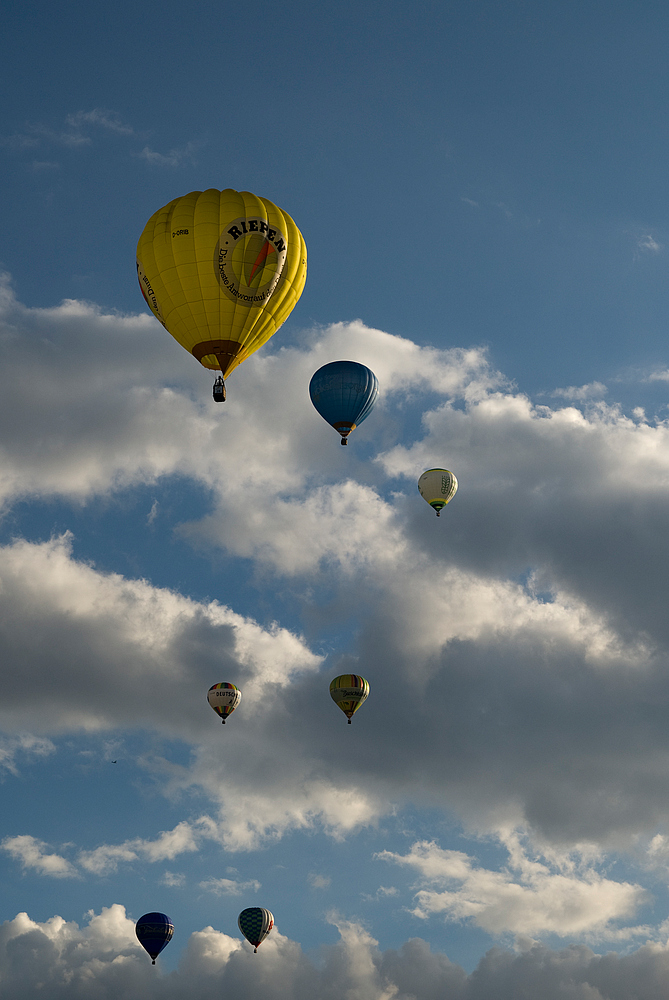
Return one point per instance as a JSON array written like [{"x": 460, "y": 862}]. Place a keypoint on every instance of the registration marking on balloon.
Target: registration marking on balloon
[{"x": 249, "y": 260}]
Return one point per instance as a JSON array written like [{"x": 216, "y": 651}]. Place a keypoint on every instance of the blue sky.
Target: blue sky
[{"x": 482, "y": 191}]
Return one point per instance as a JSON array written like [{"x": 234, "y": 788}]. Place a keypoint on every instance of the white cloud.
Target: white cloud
[
  {"x": 33, "y": 855},
  {"x": 648, "y": 242},
  {"x": 58, "y": 959},
  {"x": 383, "y": 892},
  {"x": 175, "y": 157},
  {"x": 253, "y": 815},
  {"x": 41, "y": 165},
  {"x": 105, "y": 859},
  {"x": 318, "y": 881},
  {"x": 139, "y": 635},
  {"x": 121, "y": 429},
  {"x": 73, "y": 135},
  {"x": 593, "y": 390},
  {"x": 19, "y": 141},
  {"x": 229, "y": 887},
  {"x": 138, "y": 632},
  {"x": 528, "y": 898},
  {"x": 109, "y": 120},
  {"x": 173, "y": 879},
  {"x": 533, "y": 604},
  {"x": 37, "y": 134},
  {"x": 169, "y": 844},
  {"x": 22, "y": 744}
]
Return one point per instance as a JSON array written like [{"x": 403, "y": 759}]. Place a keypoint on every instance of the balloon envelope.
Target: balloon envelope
[
  {"x": 224, "y": 698},
  {"x": 437, "y": 487},
  {"x": 221, "y": 270},
  {"x": 154, "y": 931},
  {"x": 255, "y": 923},
  {"x": 349, "y": 691},
  {"x": 344, "y": 393}
]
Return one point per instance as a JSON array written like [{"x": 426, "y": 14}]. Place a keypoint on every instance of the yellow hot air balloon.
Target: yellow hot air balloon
[
  {"x": 221, "y": 270},
  {"x": 349, "y": 691}
]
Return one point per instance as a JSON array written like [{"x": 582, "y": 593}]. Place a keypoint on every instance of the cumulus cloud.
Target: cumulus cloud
[
  {"x": 33, "y": 855},
  {"x": 154, "y": 651},
  {"x": 114, "y": 429},
  {"x": 529, "y": 898},
  {"x": 229, "y": 886},
  {"x": 182, "y": 839},
  {"x": 530, "y": 615},
  {"x": 83, "y": 448},
  {"x": 58, "y": 960},
  {"x": 88, "y": 616},
  {"x": 593, "y": 390},
  {"x": 23, "y": 744}
]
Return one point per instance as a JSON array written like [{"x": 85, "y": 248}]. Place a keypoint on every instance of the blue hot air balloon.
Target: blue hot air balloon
[
  {"x": 344, "y": 393},
  {"x": 154, "y": 931}
]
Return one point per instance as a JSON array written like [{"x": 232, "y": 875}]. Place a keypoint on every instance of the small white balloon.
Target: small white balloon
[
  {"x": 437, "y": 487},
  {"x": 224, "y": 698}
]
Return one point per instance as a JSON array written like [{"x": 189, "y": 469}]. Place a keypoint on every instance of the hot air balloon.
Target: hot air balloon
[
  {"x": 349, "y": 691},
  {"x": 224, "y": 699},
  {"x": 437, "y": 487},
  {"x": 344, "y": 393},
  {"x": 221, "y": 270},
  {"x": 154, "y": 931},
  {"x": 255, "y": 923}
]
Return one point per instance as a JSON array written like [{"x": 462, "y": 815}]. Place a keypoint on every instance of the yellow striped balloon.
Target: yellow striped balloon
[
  {"x": 222, "y": 271},
  {"x": 349, "y": 691}
]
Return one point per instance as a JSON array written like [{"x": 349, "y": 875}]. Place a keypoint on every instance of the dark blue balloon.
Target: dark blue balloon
[
  {"x": 344, "y": 393},
  {"x": 154, "y": 931}
]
